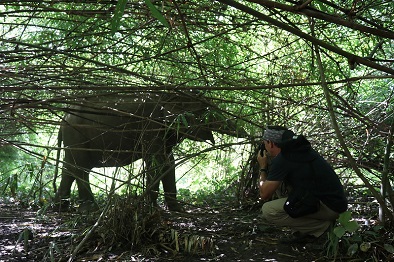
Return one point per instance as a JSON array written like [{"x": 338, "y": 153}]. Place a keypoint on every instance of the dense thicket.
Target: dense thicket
[{"x": 258, "y": 60}]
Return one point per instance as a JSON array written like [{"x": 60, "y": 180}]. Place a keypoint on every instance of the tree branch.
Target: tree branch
[
  {"x": 352, "y": 58},
  {"x": 334, "y": 122},
  {"x": 311, "y": 12}
]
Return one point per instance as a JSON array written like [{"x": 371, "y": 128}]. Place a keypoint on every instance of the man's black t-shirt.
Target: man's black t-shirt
[{"x": 300, "y": 166}]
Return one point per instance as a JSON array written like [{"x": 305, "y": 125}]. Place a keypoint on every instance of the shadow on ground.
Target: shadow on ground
[{"x": 211, "y": 234}]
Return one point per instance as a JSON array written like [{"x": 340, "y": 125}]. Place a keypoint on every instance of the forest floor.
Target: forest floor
[{"x": 199, "y": 234}]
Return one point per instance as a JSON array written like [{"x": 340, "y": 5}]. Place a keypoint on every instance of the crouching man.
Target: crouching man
[{"x": 316, "y": 196}]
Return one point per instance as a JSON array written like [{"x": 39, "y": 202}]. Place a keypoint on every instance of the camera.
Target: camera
[{"x": 261, "y": 148}]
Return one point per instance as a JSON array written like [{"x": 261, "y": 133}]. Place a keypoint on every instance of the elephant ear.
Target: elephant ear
[
  {"x": 182, "y": 108},
  {"x": 185, "y": 115},
  {"x": 218, "y": 122},
  {"x": 196, "y": 116},
  {"x": 178, "y": 104},
  {"x": 188, "y": 125}
]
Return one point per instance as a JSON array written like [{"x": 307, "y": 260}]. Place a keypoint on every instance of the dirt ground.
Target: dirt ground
[{"x": 211, "y": 234}]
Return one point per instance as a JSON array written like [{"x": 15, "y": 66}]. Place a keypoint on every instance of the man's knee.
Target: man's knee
[
  {"x": 266, "y": 212},
  {"x": 271, "y": 210}
]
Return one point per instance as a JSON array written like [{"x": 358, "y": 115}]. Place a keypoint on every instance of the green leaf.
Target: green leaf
[
  {"x": 355, "y": 238},
  {"x": 339, "y": 231},
  {"x": 389, "y": 248},
  {"x": 377, "y": 228},
  {"x": 119, "y": 11},
  {"x": 322, "y": 7},
  {"x": 156, "y": 13},
  {"x": 365, "y": 246},
  {"x": 371, "y": 233},
  {"x": 345, "y": 217},
  {"x": 351, "y": 226},
  {"x": 352, "y": 250},
  {"x": 184, "y": 120}
]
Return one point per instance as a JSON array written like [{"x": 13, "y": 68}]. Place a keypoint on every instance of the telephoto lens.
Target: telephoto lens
[{"x": 261, "y": 148}]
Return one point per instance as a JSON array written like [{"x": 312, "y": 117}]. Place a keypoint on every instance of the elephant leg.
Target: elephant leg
[
  {"x": 162, "y": 168},
  {"x": 152, "y": 183},
  {"x": 61, "y": 201},
  {"x": 169, "y": 185},
  {"x": 71, "y": 172},
  {"x": 62, "y": 197},
  {"x": 84, "y": 190},
  {"x": 64, "y": 189},
  {"x": 170, "y": 192},
  {"x": 87, "y": 202}
]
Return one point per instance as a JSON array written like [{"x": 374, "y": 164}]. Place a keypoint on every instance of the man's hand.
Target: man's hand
[{"x": 262, "y": 159}]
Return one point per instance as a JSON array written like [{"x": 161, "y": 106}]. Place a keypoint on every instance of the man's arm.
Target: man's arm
[{"x": 266, "y": 187}]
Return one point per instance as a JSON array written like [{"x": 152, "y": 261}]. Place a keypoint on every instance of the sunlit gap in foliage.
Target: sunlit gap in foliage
[{"x": 208, "y": 171}]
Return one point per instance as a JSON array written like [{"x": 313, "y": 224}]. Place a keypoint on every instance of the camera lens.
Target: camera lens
[{"x": 261, "y": 148}]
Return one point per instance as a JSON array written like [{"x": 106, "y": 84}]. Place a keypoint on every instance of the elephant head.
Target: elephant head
[{"x": 115, "y": 130}]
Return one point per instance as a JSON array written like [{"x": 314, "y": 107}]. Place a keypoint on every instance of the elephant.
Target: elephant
[{"x": 118, "y": 129}]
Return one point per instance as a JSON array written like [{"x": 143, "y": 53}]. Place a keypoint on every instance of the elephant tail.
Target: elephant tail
[{"x": 59, "y": 144}]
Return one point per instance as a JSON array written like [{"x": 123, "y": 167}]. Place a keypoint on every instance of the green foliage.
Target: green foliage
[
  {"x": 345, "y": 225},
  {"x": 347, "y": 237},
  {"x": 156, "y": 13},
  {"x": 55, "y": 53},
  {"x": 23, "y": 176},
  {"x": 119, "y": 11},
  {"x": 211, "y": 177}
]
